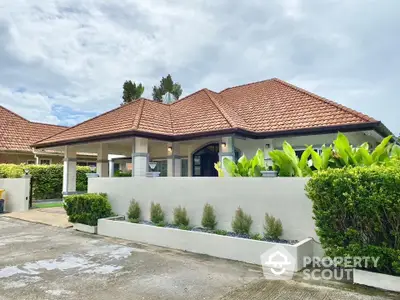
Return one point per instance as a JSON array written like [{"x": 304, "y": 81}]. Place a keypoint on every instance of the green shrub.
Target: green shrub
[
  {"x": 156, "y": 213},
  {"x": 208, "y": 220},
  {"x": 180, "y": 217},
  {"x": 241, "y": 223},
  {"x": 87, "y": 208},
  {"x": 46, "y": 179},
  {"x": 272, "y": 227},
  {"x": 119, "y": 173},
  {"x": 134, "y": 212},
  {"x": 221, "y": 232},
  {"x": 357, "y": 213},
  {"x": 256, "y": 236}
]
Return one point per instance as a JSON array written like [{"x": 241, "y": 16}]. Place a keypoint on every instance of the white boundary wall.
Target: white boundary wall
[
  {"x": 283, "y": 198},
  {"x": 17, "y": 193}
]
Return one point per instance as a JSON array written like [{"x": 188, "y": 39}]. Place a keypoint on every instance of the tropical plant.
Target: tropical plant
[
  {"x": 339, "y": 155},
  {"x": 131, "y": 91},
  {"x": 209, "y": 219},
  {"x": 241, "y": 223},
  {"x": 134, "y": 212},
  {"x": 272, "y": 227},
  {"x": 244, "y": 167},
  {"x": 288, "y": 164},
  {"x": 168, "y": 88}
]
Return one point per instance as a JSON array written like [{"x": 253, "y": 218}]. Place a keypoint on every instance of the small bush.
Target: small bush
[
  {"x": 256, "y": 236},
  {"x": 241, "y": 223},
  {"x": 272, "y": 227},
  {"x": 87, "y": 208},
  {"x": 221, "y": 232},
  {"x": 180, "y": 217},
  {"x": 156, "y": 213},
  {"x": 209, "y": 220},
  {"x": 356, "y": 211},
  {"x": 134, "y": 212}
]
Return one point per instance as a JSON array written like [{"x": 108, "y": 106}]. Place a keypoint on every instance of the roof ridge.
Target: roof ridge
[
  {"x": 325, "y": 100},
  {"x": 171, "y": 119},
  {"x": 228, "y": 118},
  {"x": 245, "y": 84},
  {"x": 136, "y": 120}
]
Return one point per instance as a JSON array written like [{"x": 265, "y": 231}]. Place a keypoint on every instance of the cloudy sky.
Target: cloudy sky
[{"x": 64, "y": 61}]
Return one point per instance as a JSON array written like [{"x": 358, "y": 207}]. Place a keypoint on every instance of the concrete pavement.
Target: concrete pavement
[{"x": 45, "y": 262}]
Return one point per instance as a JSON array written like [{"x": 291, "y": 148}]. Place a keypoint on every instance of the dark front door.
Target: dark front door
[{"x": 204, "y": 160}]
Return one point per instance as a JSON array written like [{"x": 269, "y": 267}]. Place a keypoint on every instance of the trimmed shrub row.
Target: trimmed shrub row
[
  {"x": 46, "y": 179},
  {"x": 241, "y": 223},
  {"x": 357, "y": 213},
  {"x": 87, "y": 208}
]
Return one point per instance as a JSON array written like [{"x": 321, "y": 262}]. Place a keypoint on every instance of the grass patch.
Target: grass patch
[{"x": 47, "y": 205}]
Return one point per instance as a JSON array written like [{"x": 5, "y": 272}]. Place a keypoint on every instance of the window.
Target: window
[
  {"x": 45, "y": 161},
  {"x": 299, "y": 151},
  {"x": 184, "y": 166},
  {"x": 162, "y": 167},
  {"x": 30, "y": 162},
  {"x": 81, "y": 163}
]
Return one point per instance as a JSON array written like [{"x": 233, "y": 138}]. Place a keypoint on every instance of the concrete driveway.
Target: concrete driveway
[{"x": 44, "y": 262}]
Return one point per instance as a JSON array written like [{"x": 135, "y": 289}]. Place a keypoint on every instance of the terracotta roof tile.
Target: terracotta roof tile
[
  {"x": 18, "y": 134},
  {"x": 262, "y": 107}
]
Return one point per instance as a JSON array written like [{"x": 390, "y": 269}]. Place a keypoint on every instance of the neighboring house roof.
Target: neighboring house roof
[
  {"x": 18, "y": 134},
  {"x": 261, "y": 109}
]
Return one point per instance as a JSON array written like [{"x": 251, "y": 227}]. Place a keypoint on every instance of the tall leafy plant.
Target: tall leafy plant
[{"x": 244, "y": 167}]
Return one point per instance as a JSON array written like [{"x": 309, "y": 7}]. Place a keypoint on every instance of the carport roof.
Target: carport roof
[{"x": 262, "y": 109}]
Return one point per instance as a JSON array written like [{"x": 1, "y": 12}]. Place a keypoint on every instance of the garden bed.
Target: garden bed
[
  {"x": 377, "y": 280},
  {"x": 85, "y": 228},
  {"x": 222, "y": 246}
]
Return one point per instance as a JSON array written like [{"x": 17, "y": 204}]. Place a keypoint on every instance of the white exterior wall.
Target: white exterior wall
[
  {"x": 283, "y": 198},
  {"x": 16, "y": 193}
]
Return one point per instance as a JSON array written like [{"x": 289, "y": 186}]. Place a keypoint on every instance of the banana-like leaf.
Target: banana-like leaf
[
  {"x": 231, "y": 167},
  {"x": 395, "y": 151},
  {"x": 303, "y": 167},
  {"x": 282, "y": 162},
  {"x": 380, "y": 153},
  {"x": 326, "y": 157},
  {"x": 364, "y": 158},
  {"x": 217, "y": 166}
]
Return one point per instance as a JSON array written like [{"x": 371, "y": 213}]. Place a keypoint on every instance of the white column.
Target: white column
[
  {"x": 190, "y": 161},
  {"x": 174, "y": 160},
  {"x": 69, "y": 171},
  {"x": 102, "y": 160},
  {"x": 226, "y": 150},
  {"x": 111, "y": 171},
  {"x": 140, "y": 156}
]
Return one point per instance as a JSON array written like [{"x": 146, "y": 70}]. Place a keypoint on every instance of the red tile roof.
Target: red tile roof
[
  {"x": 18, "y": 134},
  {"x": 265, "y": 107}
]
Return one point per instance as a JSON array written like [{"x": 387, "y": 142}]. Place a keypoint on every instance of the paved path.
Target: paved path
[
  {"x": 45, "y": 262},
  {"x": 54, "y": 216}
]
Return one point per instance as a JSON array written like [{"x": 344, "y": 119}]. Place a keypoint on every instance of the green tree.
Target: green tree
[
  {"x": 167, "y": 88},
  {"x": 131, "y": 91}
]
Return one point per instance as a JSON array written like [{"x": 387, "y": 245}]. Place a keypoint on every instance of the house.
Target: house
[
  {"x": 187, "y": 137},
  {"x": 18, "y": 134}
]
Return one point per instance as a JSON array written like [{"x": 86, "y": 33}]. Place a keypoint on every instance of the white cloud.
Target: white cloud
[{"x": 76, "y": 54}]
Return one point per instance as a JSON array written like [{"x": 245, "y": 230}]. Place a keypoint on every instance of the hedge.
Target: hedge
[
  {"x": 46, "y": 179},
  {"x": 357, "y": 213},
  {"x": 87, "y": 208}
]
